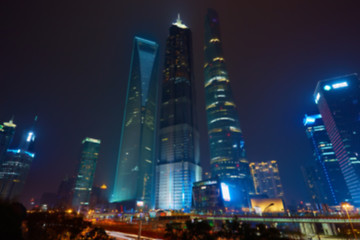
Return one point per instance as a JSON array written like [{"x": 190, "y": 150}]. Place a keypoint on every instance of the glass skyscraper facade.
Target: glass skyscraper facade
[
  {"x": 326, "y": 171},
  {"x": 85, "y": 173},
  {"x": 7, "y": 131},
  {"x": 178, "y": 165},
  {"x": 338, "y": 101},
  {"x": 134, "y": 180},
  {"x": 16, "y": 163},
  {"x": 266, "y": 179},
  {"x": 227, "y": 150}
]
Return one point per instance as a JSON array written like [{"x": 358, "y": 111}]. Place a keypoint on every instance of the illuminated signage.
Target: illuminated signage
[
  {"x": 225, "y": 192},
  {"x": 340, "y": 85},
  {"x": 140, "y": 203},
  {"x": 317, "y": 98},
  {"x": 30, "y": 137}
]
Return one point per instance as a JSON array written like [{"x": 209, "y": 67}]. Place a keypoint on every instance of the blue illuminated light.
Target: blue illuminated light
[
  {"x": 14, "y": 150},
  {"x": 19, "y": 151},
  {"x": 327, "y": 87},
  {"x": 225, "y": 192},
  {"x": 30, "y": 137},
  {"x": 317, "y": 98},
  {"x": 340, "y": 85},
  {"x": 309, "y": 120}
]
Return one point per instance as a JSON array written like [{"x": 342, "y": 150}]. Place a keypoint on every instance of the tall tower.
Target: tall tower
[
  {"x": 326, "y": 166},
  {"x": 227, "y": 151},
  {"x": 7, "y": 131},
  {"x": 135, "y": 170},
  {"x": 178, "y": 164},
  {"x": 85, "y": 174},
  {"x": 338, "y": 100},
  {"x": 17, "y": 162}
]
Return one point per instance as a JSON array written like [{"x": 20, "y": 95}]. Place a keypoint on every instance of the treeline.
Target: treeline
[
  {"x": 17, "y": 224},
  {"x": 234, "y": 230}
]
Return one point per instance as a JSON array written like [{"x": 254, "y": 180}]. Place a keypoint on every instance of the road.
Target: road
[{"x": 128, "y": 236}]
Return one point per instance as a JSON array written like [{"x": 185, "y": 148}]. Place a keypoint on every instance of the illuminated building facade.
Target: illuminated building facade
[
  {"x": 135, "y": 170},
  {"x": 268, "y": 205},
  {"x": 16, "y": 165},
  {"x": 338, "y": 101},
  {"x": 7, "y": 131},
  {"x": 326, "y": 180},
  {"x": 85, "y": 173},
  {"x": 178, "y": 165},
  {"x": 266, "y": 179},
  {"x": 227, "y": 150},
  {"x": 13, "y": 173}
]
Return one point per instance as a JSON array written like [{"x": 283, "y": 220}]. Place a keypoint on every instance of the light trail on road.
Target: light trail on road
[{"x": 128, "y": 236}]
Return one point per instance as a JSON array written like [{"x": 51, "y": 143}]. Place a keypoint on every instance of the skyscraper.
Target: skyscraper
[
  {"x": 7, "y": 131},
  {"x": 178, "y": 165},
  {"x": 17, "y": 162},
  {"x": 327, "y": 171},
  {"x": 227, "y": 151},
  {"x": 135, "y": 170},
  {"x": 266, "y": 179},
  {"x": 85, "y": 173},
  {"x": 338, "y": 100}
]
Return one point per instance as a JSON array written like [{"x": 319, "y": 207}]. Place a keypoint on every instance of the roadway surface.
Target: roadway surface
[{"x": 127, "y": 236}]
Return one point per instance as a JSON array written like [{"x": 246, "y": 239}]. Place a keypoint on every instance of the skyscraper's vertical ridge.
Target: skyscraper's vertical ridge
[
  {"x": 227, "y": 152},
  {"x": 177, "y": 167}
]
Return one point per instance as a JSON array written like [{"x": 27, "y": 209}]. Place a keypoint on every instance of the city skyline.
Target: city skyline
[{"x": 66, "y": 117}]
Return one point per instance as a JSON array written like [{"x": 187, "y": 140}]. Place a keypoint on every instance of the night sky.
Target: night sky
[{"x": 68, "y": 62}]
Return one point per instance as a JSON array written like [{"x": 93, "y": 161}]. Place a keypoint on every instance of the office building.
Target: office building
[
  {"x": 65, "y": 192},
  {"x": 178, "y": 165},
  {"x": 85, "y": 173},
  {"x": 134, "y": 180},
  {"x": 227, "y": 149},
  {"x": 316, "y": 185},
  {"x": 209, "y": 195},
  {"x": 267, "y": 179},
  {"x": 13, "y": 173},
  {"x": 7, "y": 131},
  {"x": 16, "y": 164},
  {"x": 326, "y": 174},
  {"x": 338, "y": 101}
]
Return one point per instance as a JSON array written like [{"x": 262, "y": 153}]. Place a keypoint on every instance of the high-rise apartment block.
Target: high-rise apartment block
[
  {"x": 325, "y": 179},
  {"x": 135, "y": 180},
  {"x": 338, "y": 101},
  {"x": 178, "y": 164},
  {"x": 227, "y": 149},
  {"x": 85, "y": 173},
  {"x": 267, "y": 179}
]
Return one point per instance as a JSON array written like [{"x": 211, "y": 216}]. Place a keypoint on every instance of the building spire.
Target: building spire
[{"x": 179, "y": 23}]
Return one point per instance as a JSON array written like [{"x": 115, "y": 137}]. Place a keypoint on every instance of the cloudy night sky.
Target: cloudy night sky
[{"x": 68, "y": 62}]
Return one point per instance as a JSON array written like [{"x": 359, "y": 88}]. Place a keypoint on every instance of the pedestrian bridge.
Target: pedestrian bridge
[{"x": 283, "y": 219}]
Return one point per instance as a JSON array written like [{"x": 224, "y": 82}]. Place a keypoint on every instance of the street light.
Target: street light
[{"x": 346, "y": 206}]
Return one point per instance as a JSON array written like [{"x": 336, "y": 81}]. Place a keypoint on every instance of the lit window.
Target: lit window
[
  {"x": 218, "y": 59},
  {"x": 214, "y": 40}
]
